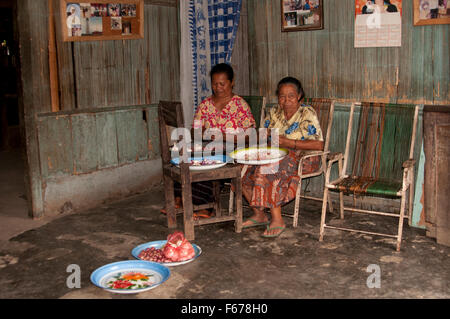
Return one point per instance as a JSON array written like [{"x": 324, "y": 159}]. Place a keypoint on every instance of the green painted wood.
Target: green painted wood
[
  {"x": 84, "y": 141},
  {"x": 154, "y": 147},
  {"x": 441, "y": 68},
  {"x": 255, "y": 103},
  {"x": 77, "y": 142},
  {"x": 55, "y": 146},
  {"x": 140, "y": 118},
  {"x": 131, "y": 136},
  {"x": 106, "y": 140},
  {"x": 329, "y": 66},
  {"x": 126, "y": 137}
]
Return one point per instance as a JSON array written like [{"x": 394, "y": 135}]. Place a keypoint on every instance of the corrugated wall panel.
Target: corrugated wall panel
[
  {"x": 329, "y": 66},
  {"x": 106, "y": 140},
  {"x": 55, "y": 146},
  {"x": 97, "y": 74},
  {"x": 84, "y": 140}
]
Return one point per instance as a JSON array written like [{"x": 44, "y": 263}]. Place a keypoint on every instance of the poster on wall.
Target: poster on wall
[
  {"x": 102, "y": 20},
  {"x": 378, "y": 23}
]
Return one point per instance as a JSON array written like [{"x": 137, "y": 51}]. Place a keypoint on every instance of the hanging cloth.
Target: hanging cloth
[{"x": 208, "y": 33}]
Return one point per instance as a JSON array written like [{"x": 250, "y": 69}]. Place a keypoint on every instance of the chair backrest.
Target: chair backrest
[
  {"x": 384, "y": 141},
  {"x": 324, "y": 109},
  {"x": 257, "y": 105},
  {"x": 170, "y": 114}
]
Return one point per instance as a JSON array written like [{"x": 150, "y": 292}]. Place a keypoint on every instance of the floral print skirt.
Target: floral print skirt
[{"x": 275, "y": 184}]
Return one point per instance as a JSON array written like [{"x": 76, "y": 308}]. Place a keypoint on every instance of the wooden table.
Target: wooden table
[{"x": 186, "y": 177}]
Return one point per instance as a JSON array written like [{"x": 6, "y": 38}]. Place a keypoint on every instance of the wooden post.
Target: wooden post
[{"x": 52, "y": 59}]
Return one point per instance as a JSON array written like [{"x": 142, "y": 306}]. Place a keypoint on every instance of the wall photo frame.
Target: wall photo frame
[
  {"x": 429, "y": 12},
  {"x": 301, "y": 15},
  {"x": 102, "y": 20}
]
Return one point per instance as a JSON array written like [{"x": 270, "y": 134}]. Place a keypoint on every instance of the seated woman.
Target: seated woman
[
  {"x": 223, "y": 110},
  {"x": 299, "y": 130}
]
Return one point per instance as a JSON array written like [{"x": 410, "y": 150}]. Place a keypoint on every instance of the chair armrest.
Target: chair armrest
[
  {"x": 308, "y": 154},
  {"x": 314, "y": 153},
  {"x": 334, "y": 157},
  {"x": 409, "y": 163}
]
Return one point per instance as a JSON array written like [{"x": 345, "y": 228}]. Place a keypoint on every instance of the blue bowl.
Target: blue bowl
[
  {"x": 159, "y": 244},
  {"x": 101, "y": 276}
]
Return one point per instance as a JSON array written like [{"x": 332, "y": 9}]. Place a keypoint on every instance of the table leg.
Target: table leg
[
  {"x": 188, "y": 208},
  {"x": 216, "y": 192},
  {"x": 238, "y": 194},
  {"x": 170, "y": 203}
]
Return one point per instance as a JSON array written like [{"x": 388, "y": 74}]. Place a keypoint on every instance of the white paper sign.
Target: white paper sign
[{"x": 378, "y": 30}]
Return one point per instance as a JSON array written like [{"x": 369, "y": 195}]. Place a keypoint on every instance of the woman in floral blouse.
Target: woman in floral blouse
[
  {"x": 224, "y": 110},
  {"x": 299, "y": 130}
]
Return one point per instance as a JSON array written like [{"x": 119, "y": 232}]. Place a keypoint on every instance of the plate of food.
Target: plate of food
[
  {"x": 259, "y": 155},
  {"x": 205, "y": 162},
  {"x": 174, "y": 251},
  {"x": 130, "y": 276}
]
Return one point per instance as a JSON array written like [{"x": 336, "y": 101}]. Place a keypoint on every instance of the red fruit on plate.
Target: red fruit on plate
[
  {"x": 178, "y": 248},
  {"x": 186, "y": 251},
  {"x": 176, "y": 238}
]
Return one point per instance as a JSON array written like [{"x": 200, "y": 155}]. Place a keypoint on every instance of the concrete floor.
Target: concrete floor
[{"x": 34, "y": 255}]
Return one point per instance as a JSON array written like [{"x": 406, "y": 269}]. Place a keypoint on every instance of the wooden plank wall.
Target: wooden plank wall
[
  {"x": 35, "y": 89},
  {"x": 240, "y": 58},
  {"x": 329, "y": 66},
  {"x": 95, "y": 74},
  {"x": 85, "y": 141}
]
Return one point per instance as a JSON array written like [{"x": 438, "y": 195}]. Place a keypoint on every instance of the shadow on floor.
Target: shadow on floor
[{"x": 295, "y": 265}]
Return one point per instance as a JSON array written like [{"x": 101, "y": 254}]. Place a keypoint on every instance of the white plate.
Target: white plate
[
  {"x": 222, "y": 158},
  {"x": 250, "y": 155},
  {"x": 138, "y": 275},
  {"x": 159, "y": 244}
]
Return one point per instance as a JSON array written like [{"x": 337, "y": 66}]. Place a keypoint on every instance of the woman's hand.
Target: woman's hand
[
  {"x": 312, "y": 145},
  {"x": 286, "y": 142}
]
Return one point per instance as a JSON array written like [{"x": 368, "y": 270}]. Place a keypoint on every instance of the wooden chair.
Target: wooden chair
[
  {"x": 171, "y": 114},
  {"x": 382, "y": 165},
  {"x": 325, "y": 110},
  {"x": 258, "y": 106}
]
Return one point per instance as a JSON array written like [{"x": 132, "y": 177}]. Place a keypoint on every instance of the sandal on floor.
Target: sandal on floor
[
  {"x": 203, "y": 214},
  {"x": 254, "y": 223},
  {"x": 177, "y": 207},
  {"x": 282, "y": 229}
]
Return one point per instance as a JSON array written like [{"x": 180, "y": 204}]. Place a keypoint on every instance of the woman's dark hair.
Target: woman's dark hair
[
  {"x": 293, "y": 81},
  {"x": 223, "y": 68}
]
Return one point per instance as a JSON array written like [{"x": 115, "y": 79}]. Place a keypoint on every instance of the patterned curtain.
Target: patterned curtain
[{"x": 209, "y": 30}]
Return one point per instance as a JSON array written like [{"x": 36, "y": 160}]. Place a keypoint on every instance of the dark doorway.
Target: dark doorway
[
  {"x": 13, "y": 202},
  {"x": 9, "y": 58}
]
